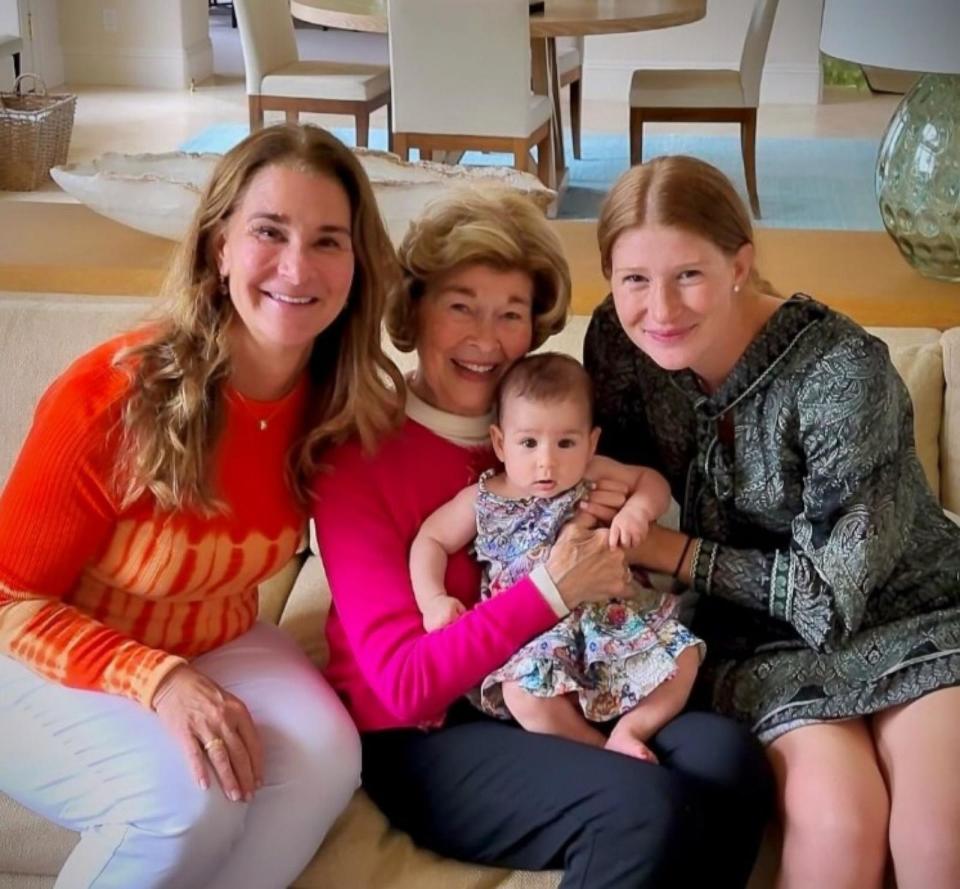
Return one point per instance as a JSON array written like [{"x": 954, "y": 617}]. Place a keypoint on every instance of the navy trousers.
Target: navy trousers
[{"x": 489, "y": 792}]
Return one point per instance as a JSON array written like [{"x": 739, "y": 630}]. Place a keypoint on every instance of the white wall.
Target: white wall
[
  {"x": 42, "y": 53},
  {"x": 146, "y": 43},
  {"x": 165, "y": 43},
  {"x": 791, "y": 72},
  {"x": 35, "y": 21},
  {"x": 9, "y": 17},
  {"x": 9, "y": 24}
]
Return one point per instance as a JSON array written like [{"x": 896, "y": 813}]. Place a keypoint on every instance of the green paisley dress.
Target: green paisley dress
[{"x": 828, "y": 580}]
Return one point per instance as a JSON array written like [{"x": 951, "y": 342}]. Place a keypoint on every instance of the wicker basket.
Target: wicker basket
[{"x": 35, "y": 133}]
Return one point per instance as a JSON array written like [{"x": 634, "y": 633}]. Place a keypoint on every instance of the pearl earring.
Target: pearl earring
[{"x": 736, "y": 288}]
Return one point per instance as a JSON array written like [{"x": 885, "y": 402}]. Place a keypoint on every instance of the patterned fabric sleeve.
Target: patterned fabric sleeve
[
  {"x": 610, "y": 359},
  {"x": 855, "y": 430}
]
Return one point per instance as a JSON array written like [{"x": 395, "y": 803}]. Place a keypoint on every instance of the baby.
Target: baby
[{"x": 627, "y": 659}]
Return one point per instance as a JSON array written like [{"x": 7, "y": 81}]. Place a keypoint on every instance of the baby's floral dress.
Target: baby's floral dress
[{"x": 611, "y": 654}]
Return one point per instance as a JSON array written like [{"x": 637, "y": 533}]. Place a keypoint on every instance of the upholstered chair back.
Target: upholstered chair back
[
  {"x": 460, "y": 67},
  {"x": 565, "y": 43},
  {"x": 267, "y": 39}
]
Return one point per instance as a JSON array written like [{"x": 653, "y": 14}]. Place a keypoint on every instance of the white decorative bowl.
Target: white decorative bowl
[
  {"x": 158, "y": 193},
  {"x": 154, "y": 193}
]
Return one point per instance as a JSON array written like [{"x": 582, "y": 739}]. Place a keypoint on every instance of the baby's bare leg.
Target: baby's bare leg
[
  {"x": 550, "y": 716},
  {"x": 655, "y": 710}
]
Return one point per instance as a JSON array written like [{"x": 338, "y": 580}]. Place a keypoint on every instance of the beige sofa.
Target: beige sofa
[{"x": 40, "y": 334}]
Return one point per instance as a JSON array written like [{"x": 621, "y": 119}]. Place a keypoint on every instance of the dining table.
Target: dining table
[{"x": 559, "y": 18}]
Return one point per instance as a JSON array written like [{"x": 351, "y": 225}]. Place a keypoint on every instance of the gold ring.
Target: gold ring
[{"x": 213, "y": 742}]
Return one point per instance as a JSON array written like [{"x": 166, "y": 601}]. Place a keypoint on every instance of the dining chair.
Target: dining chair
[
  {"x": 709, "y": 95},
  {"x": 570, "y": 72},
  {"x": 278, "y": 81},
  {"x": 460, "y": 80}
]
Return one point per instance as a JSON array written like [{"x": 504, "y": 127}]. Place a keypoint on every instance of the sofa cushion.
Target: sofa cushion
[
  {"x": 917, "y": 355},
  {"x": 30, "y": 844},
  {"x": 274, "y": 592},
  {"x": 950, "y": 429},
  {"x": 922, "y": 370},
  {"x": 362, "y": 850},
  {"x": 305, "y": 613},
  {"x": 45, "y": 336}
]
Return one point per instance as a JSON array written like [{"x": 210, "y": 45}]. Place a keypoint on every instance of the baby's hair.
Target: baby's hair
[{"x": 546, "y": 377}]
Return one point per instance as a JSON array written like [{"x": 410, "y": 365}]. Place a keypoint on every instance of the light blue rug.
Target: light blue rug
[{"x": 803, "y": 183}]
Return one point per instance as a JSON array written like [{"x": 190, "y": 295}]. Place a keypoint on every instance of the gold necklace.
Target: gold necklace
[{"x": 249, "y": 406}]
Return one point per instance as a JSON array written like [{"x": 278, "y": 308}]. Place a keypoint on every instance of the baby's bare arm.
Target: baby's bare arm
[
  {"x": 648, "y": 498},
  {"x": 445, "y": 532},
  {"x": 645, "y": 486}
]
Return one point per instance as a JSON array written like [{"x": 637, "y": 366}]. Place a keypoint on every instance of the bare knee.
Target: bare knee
[
  {"x": 925, "y": 841},
  {"x": 843, "y": 826},
  {"x": 832, "y": 841},
  {"x": 924, "y": 848},
  {"x": 917, "y": 744},
  {"x": 198, "y": 833}
]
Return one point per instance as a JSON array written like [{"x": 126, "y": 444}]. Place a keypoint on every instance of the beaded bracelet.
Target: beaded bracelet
[{"x": 683, "y": 555}]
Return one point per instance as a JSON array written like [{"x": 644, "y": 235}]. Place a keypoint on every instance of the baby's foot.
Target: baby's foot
[{"x": 629, "y": 745}]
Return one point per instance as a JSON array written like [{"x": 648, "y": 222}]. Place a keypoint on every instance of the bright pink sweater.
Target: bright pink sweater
[{"x": 390, "y": 673}]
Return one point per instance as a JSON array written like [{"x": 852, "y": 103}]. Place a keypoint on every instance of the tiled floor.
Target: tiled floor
[{"x": 137, "y": 120}]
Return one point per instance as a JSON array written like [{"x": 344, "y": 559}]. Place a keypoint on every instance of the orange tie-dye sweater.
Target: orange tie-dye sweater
[{"x": 98, "y": 597}]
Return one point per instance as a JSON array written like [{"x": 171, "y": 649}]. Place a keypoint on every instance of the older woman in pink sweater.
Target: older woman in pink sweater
[{"x": 485, "y": 281}]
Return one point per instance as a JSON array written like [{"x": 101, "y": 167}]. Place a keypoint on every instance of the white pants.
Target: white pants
[{"x": 104, "y": 765}]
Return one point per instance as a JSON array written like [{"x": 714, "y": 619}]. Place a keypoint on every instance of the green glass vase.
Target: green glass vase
[{"x": 918, "y": 176}]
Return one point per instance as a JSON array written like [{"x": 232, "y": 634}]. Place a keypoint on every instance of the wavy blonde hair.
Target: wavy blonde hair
[
  {"x": 492, "y": 226},
  {"x": 174, "y": 414},
  {"x": 677, "y": 191}
]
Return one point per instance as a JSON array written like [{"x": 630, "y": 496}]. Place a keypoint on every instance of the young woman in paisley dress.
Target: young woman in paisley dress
[
  {"x": 829, "y": 577},
  {"x": 625, "y": 659}
]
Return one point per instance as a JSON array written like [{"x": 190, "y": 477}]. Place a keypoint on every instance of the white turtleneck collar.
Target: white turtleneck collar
[{"x": 469, "y": 432}]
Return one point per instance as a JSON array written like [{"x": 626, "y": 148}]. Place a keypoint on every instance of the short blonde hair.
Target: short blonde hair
[
  {"x": 677, "y": 191},
  {"x": 492, "y": 226}
]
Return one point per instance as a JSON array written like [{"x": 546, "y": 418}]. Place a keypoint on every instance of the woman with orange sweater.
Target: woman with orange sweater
[{"x": 141, "y": 702}]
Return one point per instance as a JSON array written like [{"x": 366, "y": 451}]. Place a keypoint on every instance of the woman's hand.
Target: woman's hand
[
  {"x": 212, "y": 724},
  {"x": 585, "y": 568},
  {"x": 603, "y": 503}
]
